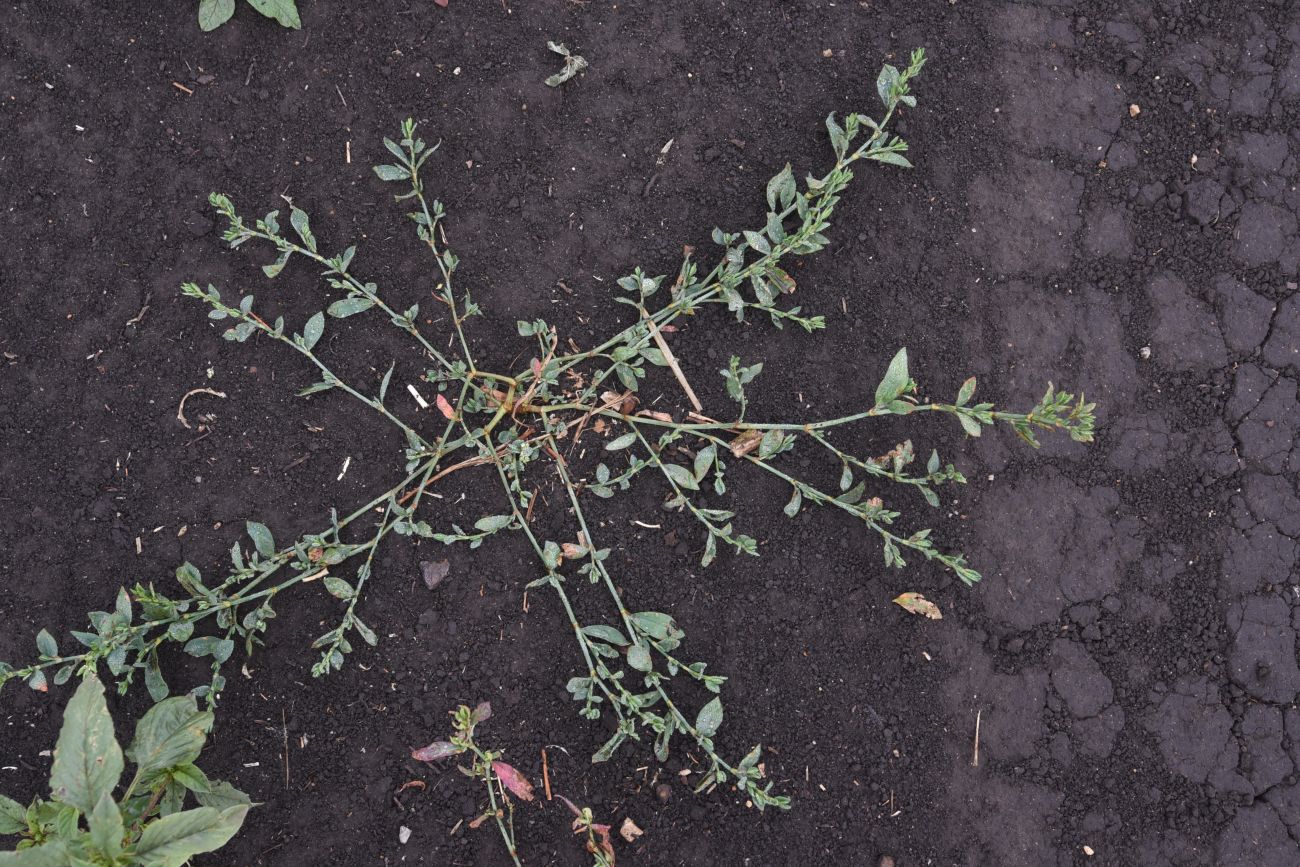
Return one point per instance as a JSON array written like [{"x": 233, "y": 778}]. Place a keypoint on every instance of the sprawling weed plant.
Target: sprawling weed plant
[{"x": 632, "y": 662}]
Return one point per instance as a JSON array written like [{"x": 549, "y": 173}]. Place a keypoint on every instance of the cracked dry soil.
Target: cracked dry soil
[{"x": 1131, "y": 653}]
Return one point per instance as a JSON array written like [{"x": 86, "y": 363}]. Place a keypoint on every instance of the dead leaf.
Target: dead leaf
[
  {"x": 625, "y": 403},
  {"x": 573, "y": 551},
  {"x": 435, "y": 751},
  {"x": 660, "y": 416},
  {"x": 412, "y": 784},
  {"x": 513, "y": 780},
  {"x": 746, "y": 442},
  {"x": 482, "y": 711},
  {"x": 629, "y": 831},
  {"x": 434, "y": 571},
  {"x": 444, "y": 407},
  {"x": 915, "y": 603}
]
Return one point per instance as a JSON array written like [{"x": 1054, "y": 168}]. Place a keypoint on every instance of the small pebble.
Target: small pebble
[
  {"x": 403, "y": 834},
  {"x": 664, "y": 792}
]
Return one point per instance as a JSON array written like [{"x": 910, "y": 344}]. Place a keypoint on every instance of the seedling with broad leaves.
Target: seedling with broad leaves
[
  {"x": 634, "y": 669},
  {"x": 214, "y": 13},
  {"x": 86, "y": 821}
]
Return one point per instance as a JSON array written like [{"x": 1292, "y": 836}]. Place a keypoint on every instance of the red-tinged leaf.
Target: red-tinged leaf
[
  {"x": 442, "y": 3},
  {"x": 513, "y": 780},
  {"x": 483, "y": 818},
  {"x": 573, "y": 808},
  {"x": 482, "y": 711},
  {"x": 435, "y": 751},
  {"x": 537, "y": 368},
  {"x": 606, "y": 845},
  {"x": 444, "y": 407}
]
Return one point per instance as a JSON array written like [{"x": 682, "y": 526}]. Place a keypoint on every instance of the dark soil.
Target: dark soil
[{"x": 1131, "y": 654}]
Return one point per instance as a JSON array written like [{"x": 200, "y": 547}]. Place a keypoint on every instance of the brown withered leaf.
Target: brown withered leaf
[
  {"x": 629, "y": 831},
  {"x": 660, "y": 416},
  {"x": 918, "y": 604},
  {"x": 624, "y": 403},
  {"x": 434, "y": 571},
  {"x": 746, "y": 442}
]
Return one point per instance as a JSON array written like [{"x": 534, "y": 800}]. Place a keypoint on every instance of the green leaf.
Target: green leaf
[
  {"x": 222, "y": 795},
  {"x": 896, "y": 379},
  {"x": 383, "y": 386},
  {"x": 283, "y": 11},
  {"x": 605, "y": 633},
  {"x": 655, "y": 624},
  {"x": 966, "y": 392},
  {"x": 638, "y": 656},
  {"x": 885, "y": 83},
  {"x": 796, "y": 500},
  {"x": 263, "y": 541},
  {"x": 346, "y": 307},
  {"x": 181, "y": 630},
  {"x": 13, "y": 816},
  {"x": 87, "y": 758},
  {"x": 891, "y": 157},
  {"x": 367, "y": 634},
  {"x": 839, "y": 141},
  {"x": 106, "y": 828},
  {"x": 218, "y": 648},
  {"x": 46, "y": 644},
  {"x": 338, "y": 588},
  {"x": 170, "y": 734},
  {"x": 621, "y": 442},
  {"x": 312, "y": 331},
  {"x": 770, "y": 444},
  {"x": 191, "y": 777},
  {"x": 175, "y": 839},
  {"x": 758, "y": 242},
  {"x": 52, "y": 853},
  {"x": 781, "y": 189},
  {"x": 273, "y": 270},
  {"x": 391, "y": 173},
  {"x": 214, "y": 13},
  {"x": 681, "y": 476},
  {"x": 302, "y": 225},
  {"x": 493, "y": 523},
  {"x": 606, "y": 751},
  {"x": 709, "y": 718},
  {"x": 661, "y": 742},
  {"x": 703, "y": 460},
  {"x": 969, "y": 424},
  {"x": 154, "y": 682}
]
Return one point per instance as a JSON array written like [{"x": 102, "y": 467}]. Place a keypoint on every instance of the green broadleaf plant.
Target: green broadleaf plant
[
  {"x": 633, "y": 668},
  {"x": 214, "y": 13},
  {"x": 86, "y": 822}
]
